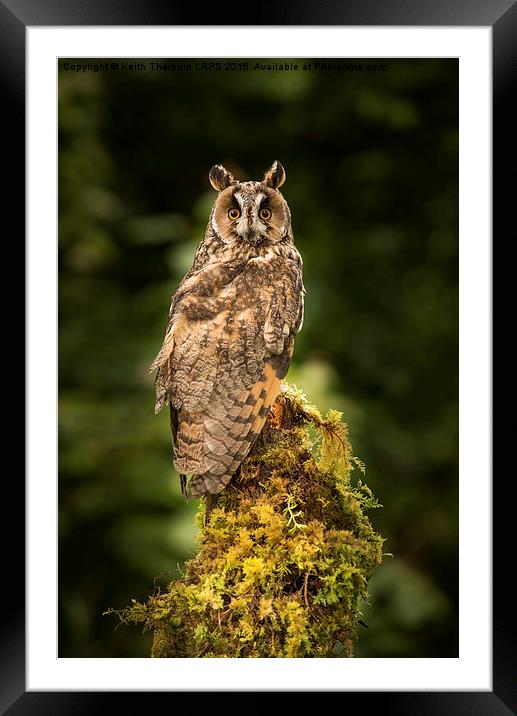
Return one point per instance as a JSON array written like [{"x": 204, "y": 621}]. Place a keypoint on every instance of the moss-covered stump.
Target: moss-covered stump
[{"x": 285, "y": 552}]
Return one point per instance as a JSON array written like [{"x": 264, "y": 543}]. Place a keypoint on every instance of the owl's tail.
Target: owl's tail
[
  {"x": 211, "y": 445},
  {"x": 210, "y": 452},
  {"x": 192, "y": 459},
  {"x": 202, "y": 484}
]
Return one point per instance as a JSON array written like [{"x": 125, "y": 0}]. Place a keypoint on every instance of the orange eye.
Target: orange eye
[
  {"x": 265, "y": 214},
  {"x": 234, "y": 214}
]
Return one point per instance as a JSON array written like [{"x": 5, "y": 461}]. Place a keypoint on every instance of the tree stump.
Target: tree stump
[{"x": 285, "y": 552}]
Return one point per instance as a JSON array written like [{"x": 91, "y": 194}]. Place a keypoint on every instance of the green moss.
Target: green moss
[{"x": 285, "y": 552}]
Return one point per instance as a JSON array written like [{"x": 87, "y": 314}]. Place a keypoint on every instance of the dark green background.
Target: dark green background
[{"x": 372, "y": 182}]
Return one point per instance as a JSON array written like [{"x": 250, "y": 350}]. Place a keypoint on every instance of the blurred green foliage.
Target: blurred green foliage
[{"x": 372, "y": 182}]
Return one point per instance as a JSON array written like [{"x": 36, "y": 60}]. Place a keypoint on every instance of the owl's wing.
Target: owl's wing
[
  {"x": 185, "y": 364},
  {"x": 224, "y": 368}
]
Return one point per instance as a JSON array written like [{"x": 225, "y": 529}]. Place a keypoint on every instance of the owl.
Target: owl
[{"x": 230, "y": 335}]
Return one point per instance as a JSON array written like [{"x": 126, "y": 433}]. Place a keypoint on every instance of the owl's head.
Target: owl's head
[{"x": 252, "y": 211}]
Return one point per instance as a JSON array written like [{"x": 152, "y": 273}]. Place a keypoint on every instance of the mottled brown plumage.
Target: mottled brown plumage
[{"x": 230, "y": 336}]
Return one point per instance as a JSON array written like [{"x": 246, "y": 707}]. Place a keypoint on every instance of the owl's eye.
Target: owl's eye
[
  {"x": 265, "y": 214},
  {"x": 234, "y": 214}
]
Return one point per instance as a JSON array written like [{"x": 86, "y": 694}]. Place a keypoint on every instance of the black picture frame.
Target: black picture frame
[{"x": 15, "y": 17}]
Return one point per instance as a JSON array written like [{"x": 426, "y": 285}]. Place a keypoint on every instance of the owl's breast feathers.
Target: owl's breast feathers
[{"x": 228, "y": 344}]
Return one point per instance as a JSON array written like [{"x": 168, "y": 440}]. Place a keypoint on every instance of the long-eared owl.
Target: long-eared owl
[{"x": 230, "y": 335}]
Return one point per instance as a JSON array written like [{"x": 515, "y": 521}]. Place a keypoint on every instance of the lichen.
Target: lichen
[{"x": 284, "y": 553}]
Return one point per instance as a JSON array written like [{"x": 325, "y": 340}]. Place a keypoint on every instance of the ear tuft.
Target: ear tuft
[
  {"x": 275, "y": 175},
  {"x": 220, "y": 178}
]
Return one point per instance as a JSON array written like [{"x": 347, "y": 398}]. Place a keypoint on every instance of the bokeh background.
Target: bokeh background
[{"x": 372, "y": 182}]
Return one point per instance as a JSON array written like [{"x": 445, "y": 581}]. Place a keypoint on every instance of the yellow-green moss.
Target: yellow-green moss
[{"x": 285, "y": 552}]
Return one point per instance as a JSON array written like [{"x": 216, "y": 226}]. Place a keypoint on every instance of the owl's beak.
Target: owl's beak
[{"x": 247, "y": 231}]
